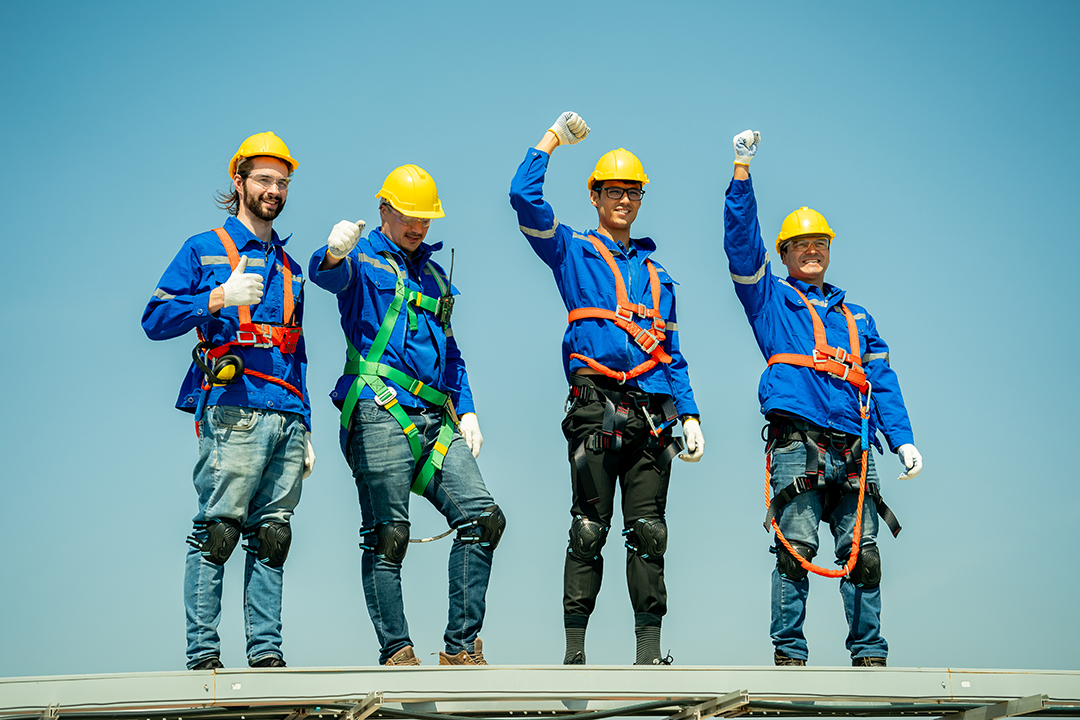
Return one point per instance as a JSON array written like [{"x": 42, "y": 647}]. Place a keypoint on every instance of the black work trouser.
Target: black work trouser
[{"x": 644, "y": 489}]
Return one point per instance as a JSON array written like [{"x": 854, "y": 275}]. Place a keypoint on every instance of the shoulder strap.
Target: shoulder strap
[{"x": 234, "y": 260}]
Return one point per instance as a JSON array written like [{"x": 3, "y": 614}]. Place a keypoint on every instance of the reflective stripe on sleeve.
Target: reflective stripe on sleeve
[
  {"x": 859, "y": 316},
  {"x": 875, "y": 356},
  {"x": 752, "y": 279},
  {"x": 377, "y": 263},
  {"x": 672, "y": 326},
  {"x": 224, "y": 260},
  {"x": 162, "y": 295},
  {"x": 542, "y": 234}
]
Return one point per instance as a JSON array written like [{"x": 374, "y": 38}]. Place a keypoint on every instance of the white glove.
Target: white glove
[
  {"x": 470, "y": 430},
  {"x": 912, "y": 461},
  {"x": 243, "y": 288},
  {"x": 343, "y": 238},
  {"x": 745, "y": 144},
  {"x": 695, "y": 441},
  {"x": 309, "y": 456},
  {"x": 570, "y": 128}
]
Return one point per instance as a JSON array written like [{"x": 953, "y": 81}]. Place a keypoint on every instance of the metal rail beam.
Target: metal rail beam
[
  {"x": 368, "y": 705},
  {"x": 728, "y": 706},
  {"x": 1010, "y": 708}
]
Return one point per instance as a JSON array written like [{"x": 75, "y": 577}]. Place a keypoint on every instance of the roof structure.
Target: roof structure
[{"x": 549, "y": 692}]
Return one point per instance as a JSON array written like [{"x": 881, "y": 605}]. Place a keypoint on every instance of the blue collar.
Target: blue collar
[
  {"x": 240, "y": 234},
  {"x": 643, "y": 245}
]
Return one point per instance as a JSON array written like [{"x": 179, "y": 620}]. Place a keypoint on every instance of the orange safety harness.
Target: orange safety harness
[
  {"x": 260, "y": 335},
  {"x": 848, "y": 367},
  {"x": 650, "y": 341}
]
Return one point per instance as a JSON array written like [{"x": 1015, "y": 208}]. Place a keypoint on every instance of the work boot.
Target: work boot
[
  {"x": 781, "y": 660},
  {"x": 270, "y": 661},
  {"x": 210, "y": 663},
  {"x": 404, "y": 656},
  {"x": 868, "y": 662},
  {"x": 578, "y": 658},
  {"x": 476, "y": 657}
]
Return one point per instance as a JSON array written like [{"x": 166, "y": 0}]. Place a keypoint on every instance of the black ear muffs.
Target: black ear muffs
[{"x": 227, "y": 369}]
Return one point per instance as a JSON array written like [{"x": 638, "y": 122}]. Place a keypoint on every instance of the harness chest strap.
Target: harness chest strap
[
  {"x": 250, "y": 334},
  {"x": 264, "y": 335},
  {"x": 650, "y": 341},
  {"x": 845, "y": 365},
  {"x": 370, "y": 372}
]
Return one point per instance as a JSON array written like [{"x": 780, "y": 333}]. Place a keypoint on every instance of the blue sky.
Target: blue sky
[{"x": 938, "y": 138}]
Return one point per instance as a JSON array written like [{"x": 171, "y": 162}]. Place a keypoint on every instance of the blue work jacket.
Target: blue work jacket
[
  {"x": 782, "y": 324},
  {"x": 585, "y": 280},
  {"x": 181, "y": 303},
  {"x": 364, "y": 284}
]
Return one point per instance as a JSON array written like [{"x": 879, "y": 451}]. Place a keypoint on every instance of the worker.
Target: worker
[
  {"x": 403, "y": 386},
  {"x": 243, "y": 296},
  {"x": 628, "y": 383},
  {"x": 828, "y": 388}
]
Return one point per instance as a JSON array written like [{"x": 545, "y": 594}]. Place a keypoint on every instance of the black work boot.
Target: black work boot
[
  {"x": 575, "y": 658},
  {"x": 781, "y": 660},
  {"x": 270, "y": 661},
  {"x": 868, "y": 662},
  {"x": 211, "y": 663}
]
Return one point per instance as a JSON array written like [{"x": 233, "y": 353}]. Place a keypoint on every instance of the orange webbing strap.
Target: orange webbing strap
[
  {"x": 650, "y": 341},
  {"x": 856, "y": 532},
  {"x": 268, "y": 378},
  {"x": 234, "y": 260},
  {"x": 282, "y": 337},
  {"x": 835, "y": 361}
]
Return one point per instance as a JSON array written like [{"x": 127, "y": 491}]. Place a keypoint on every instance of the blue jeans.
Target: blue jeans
[
  {"x": 250, "y": 469},
  {"x": 382, "y": 464},
  {"x": 799, "y": 521}
]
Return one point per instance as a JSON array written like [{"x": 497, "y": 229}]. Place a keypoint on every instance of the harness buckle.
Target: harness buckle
[
  {"x": 642, "y": 311},
  {"x": 387, "y": 397},
  {"x": 245, "y": 337},
  {"x": 628, "y": 317},
  {"x": 652, "y": 345}
]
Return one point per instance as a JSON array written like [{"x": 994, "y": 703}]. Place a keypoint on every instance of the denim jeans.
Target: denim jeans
[
  {"x": 382, "y": 463},
  {"x": 799, "y": 521},
  {"x": 250, "y": 470}
]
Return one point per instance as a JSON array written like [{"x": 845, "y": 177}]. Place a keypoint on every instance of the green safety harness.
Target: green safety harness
[{"x": 370, "y": 372}]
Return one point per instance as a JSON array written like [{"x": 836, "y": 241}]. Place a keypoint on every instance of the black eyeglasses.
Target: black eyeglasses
[{"x": 616, "y": 193}]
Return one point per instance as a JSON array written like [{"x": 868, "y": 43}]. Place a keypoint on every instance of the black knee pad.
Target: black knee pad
[
  {"x": 274, "y": 541},
  {"x": 788, "y": 566},
  {"x": 221, "y": 538},
  {"x": 647, "y": 537},
  {"x": 390, "y": 540},
  {"x": 491, "y": 523},
  {"x": 867, "y": 571},
  {"x": 587, "y": 538}
]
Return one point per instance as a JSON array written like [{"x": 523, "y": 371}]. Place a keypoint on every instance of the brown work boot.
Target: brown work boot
[
  {"x": 868, "y": 662},
  {"x": 464, "y": 657},
  {"x": 781, "y": 660},
  {"x": 404, "y": 656}
]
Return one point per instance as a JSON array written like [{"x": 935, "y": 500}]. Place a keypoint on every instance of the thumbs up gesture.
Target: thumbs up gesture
[{"x": 243, "y": 288}]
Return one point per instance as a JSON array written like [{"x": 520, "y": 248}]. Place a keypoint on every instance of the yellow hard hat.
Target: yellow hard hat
[
  {"x": 618, "y": 164},
  {"x": 412, "y": 192},
  {"x": 803, "y": 221},
  {"x": 266, "y": 143}
]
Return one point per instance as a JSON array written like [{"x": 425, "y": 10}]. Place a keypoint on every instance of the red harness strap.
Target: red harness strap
[
  {"x": 835, "y": 361},
  {"x": 650, "y": 341},
  {"x": 261, "y": 335}
]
